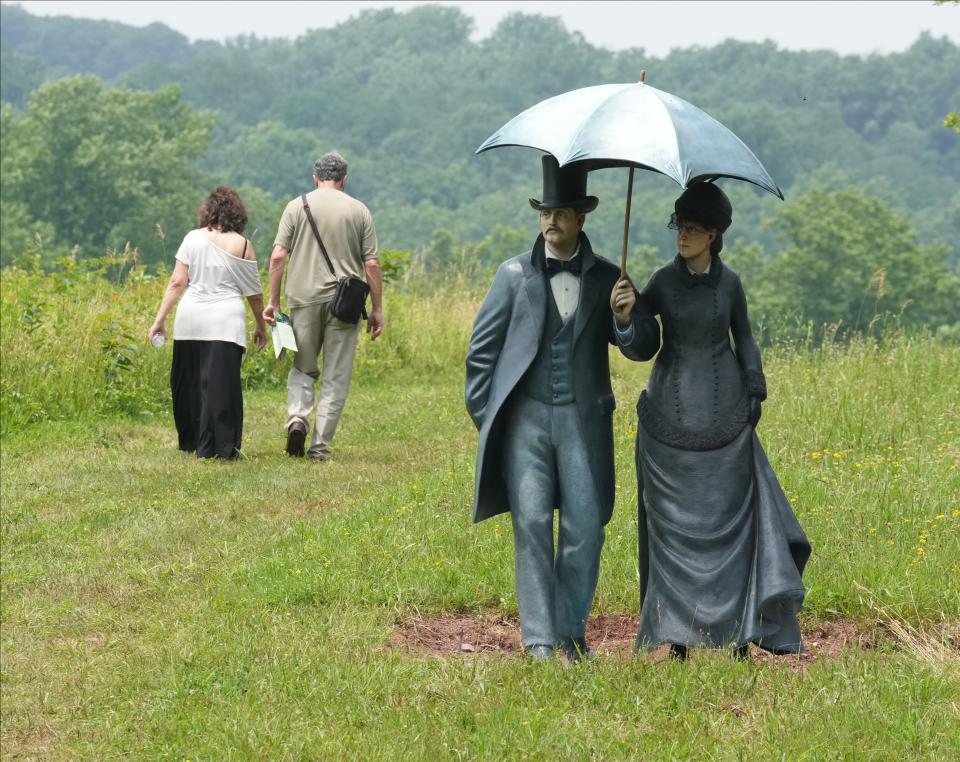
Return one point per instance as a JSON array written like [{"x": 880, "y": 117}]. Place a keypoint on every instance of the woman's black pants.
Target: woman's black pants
[{"x": 207, "y": 397}]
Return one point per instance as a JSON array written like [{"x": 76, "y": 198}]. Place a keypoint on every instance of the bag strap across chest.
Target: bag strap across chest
[{"x": 316, "y": 234}]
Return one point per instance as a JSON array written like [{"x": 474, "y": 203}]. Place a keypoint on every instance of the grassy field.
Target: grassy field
[{"x": 159, "y": 607}]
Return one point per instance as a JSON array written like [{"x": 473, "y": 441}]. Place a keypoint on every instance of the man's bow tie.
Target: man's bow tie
[{"x": 555, "y": 266}]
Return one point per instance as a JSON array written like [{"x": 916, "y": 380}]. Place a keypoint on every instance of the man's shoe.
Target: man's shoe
[
  {"x": 320, "y": 457},
  {"x": 575, "y": 649},
  {"x": 296, "y": 434},
  {"x": 539, "y": 652}
]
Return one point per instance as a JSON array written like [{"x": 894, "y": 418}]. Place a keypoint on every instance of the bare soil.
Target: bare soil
[{"x": 492, "y": 634}]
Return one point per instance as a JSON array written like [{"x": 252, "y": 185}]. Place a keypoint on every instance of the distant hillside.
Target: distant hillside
[
  {"x": 407, "y": 97},
  {"x": 68, "y": 45}
]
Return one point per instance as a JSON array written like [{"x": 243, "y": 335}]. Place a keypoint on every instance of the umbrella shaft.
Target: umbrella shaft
[{"x": 626, "y": 227}]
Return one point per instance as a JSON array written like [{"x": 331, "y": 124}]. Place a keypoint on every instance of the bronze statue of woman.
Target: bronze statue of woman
[{"x": 721, "y": 551}]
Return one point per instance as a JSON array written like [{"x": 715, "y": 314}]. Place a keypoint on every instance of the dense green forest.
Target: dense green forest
[{"x": 112, "y": 134}]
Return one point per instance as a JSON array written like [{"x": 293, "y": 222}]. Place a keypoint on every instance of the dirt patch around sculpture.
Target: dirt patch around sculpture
[{"x": 610, "y": 635}]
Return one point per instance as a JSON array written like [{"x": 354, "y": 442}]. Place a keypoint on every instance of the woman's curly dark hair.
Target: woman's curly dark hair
[{"x": 223, "y": 209}]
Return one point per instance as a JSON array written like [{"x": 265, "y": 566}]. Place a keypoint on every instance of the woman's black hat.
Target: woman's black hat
[
  {"x": 564, "y": 187},
  {"x": 705, "y": 204}
]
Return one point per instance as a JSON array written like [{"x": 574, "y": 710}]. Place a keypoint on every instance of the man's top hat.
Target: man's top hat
[{"x": 564, "y": 187}]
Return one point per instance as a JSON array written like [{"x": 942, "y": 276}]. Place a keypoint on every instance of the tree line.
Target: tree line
[{"x": 113, "y": 134}]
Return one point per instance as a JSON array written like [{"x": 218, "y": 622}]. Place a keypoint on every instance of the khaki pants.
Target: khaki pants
[{"x": 318, "y": 331}]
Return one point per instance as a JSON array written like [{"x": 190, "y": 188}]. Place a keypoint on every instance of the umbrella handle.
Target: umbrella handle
[{"x": 626, "y": 227}]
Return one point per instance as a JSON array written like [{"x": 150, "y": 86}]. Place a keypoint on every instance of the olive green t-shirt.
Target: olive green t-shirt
[{"x": 346, "y": 227}]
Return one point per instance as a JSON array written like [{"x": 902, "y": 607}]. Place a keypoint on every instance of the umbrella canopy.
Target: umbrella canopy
[
  {"x": 634, "y": 125},
  {"x": 638, "y": 126}
]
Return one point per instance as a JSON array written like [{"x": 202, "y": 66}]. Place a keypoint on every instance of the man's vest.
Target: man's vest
[{"x": 549, "y": 378}]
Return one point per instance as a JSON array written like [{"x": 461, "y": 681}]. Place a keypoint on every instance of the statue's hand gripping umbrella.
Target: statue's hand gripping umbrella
[{"x": 637, "y": 126}]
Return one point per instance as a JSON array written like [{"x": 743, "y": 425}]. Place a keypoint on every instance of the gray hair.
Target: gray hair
[{"x": 330, "y": 166}]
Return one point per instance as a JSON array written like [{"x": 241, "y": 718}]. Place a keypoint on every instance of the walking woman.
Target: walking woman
[
  {"x": 217, "y": 267},
  {"x": 721, "y": 551}
]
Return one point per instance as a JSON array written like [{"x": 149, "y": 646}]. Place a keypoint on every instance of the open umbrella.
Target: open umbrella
[{"x": 637, "y": 126}]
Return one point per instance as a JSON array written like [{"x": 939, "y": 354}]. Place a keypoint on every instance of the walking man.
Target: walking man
[
  {"x": 345, "y": 226},
  {"x": 538, "y": 389}
]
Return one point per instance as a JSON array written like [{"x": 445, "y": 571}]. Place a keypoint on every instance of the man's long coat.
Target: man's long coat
[{"x": 506, "y": 338}]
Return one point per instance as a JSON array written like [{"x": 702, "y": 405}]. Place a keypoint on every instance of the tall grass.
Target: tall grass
[{"x": 73, "y": 342}]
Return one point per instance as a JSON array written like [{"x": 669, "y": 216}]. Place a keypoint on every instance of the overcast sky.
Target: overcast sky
[{"x": 847, "y": 27}]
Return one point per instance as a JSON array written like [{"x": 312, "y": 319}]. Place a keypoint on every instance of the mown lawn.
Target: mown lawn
[{"x": 157, "y": 607}]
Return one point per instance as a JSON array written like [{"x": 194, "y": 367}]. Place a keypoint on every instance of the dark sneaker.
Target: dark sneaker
[{"x": 296, "y": 434}]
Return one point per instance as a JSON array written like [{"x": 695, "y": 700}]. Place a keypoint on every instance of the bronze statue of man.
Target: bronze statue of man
[{"x": 538, "y": 389}]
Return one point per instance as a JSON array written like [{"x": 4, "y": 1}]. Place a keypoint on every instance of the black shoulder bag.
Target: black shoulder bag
[{"x": 350, "y": 299}]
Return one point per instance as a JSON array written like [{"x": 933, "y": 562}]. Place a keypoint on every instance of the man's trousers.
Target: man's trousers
[
  {"x": 545, "y": 465},
  {"x": 316, "y": 331}
]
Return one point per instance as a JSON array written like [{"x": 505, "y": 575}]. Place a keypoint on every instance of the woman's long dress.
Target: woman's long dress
[
  {"x": 721, "y": 550},
  {"x": 209, "y": 339}
]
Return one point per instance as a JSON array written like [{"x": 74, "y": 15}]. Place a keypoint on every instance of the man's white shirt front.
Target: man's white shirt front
[{"x": 564, "y": 285}]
